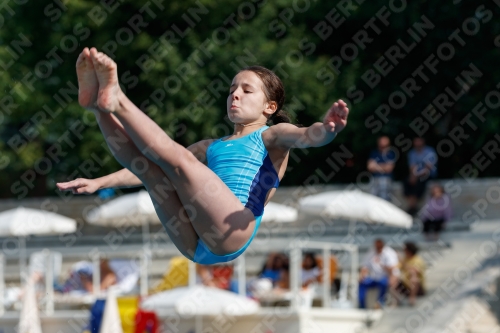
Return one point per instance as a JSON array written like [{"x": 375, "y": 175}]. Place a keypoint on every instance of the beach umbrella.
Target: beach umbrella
[
  {"x": 355, "y": 205},
  {"x": 197, "y": 301},
  {"x": 274, "y": 212},
  {"x": 201, "y": 300},
  {"x": 22, "y": 222},
  {"x": 128, "y": 210}
]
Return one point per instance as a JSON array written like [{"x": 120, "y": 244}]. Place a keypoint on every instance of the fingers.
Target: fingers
[
  {"x": 340, "y": 109},
  {"x": 63, "y": 186},
  {"x": 70, "y": 185},
  {"x": 79, "y": 190}
]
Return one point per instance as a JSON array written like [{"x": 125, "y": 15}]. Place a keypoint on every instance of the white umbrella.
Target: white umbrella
[
  {"x": 22, "y": 221},
  {"x": 129, "y": 209},
  {"x": 200, "y": 300},
  {"x": 355, "y": 205},
  {"x": 279, "y": 213}
]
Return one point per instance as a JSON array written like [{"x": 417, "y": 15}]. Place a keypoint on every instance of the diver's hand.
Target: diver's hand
[{"x": 80, "y": 186}]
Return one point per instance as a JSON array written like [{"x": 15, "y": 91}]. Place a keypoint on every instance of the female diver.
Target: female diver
[{"x": 217, "y": 188}]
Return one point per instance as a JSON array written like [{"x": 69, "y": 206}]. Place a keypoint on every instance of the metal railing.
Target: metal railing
[
  {"x": 348, "y": 288},
  {"x": 326, "y": 248}
]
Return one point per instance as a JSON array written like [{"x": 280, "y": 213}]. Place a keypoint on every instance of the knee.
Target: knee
[
  {"x": 184, "y": 161},
  {"x": 186, "y": 158},
  {"x": 152, "y": 173}
]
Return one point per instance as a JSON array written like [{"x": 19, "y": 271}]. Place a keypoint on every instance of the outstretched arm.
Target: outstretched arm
[
  {"x": 319, "y": 134},
  {"x": 123, "y": 177}
]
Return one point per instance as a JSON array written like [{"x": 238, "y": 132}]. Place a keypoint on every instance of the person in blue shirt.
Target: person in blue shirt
[
  {"x": 273, "y": 267},
  {"x": 422, "y": 163},
  {"x": 380, "y": 164}
]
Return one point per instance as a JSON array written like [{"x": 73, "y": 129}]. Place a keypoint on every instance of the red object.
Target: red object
[
  {"x": 146, "y": 321},
  {"x": 222, "y": 276}
]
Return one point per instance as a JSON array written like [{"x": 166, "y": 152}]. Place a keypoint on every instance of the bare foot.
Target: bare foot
[
  {"x": 109, "y": 89},
  {"x": 87, "y": 81}
]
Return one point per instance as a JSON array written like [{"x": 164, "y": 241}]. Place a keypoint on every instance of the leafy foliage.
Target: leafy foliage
[{"x": 212, "y": 40}]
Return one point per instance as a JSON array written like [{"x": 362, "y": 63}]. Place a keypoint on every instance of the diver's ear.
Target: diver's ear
[{"x": 270, "y": 108}]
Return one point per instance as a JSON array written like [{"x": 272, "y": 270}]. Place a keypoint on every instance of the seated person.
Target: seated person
[
  {"x": 284, "y": 277},
  {"x": 217, "y": 276},
  {"x": 334, "y": 282},
  {"x": 412, "y": 281},
  {"x": 272, "y": 268},
  {"x": 80, "y": 279},
  {"x": 379, "y": 270},
  {"x": 310, "y": 269}
]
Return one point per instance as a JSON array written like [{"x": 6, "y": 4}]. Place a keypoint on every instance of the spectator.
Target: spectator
[
  {"x": 80, "y": 279},
  {"x": 310, "y": 269},
  {"x": 284, "y": 276},
  {"x": 272, "y": 268},
  {"x": 379, "y": 270},
  {"x": 412, "y": 282},
  {"x": 334, "y": 281},
  {"x": 217, "y": 276},
  {"x": 422, "y": 161},
  {"x": 380, "y": 165},
  {"x": 436, "y": 212}
]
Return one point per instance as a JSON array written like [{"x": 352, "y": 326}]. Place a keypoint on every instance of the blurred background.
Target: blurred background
[
  {"x": 420, "y": 69},
  {"x": 175, "y": 60}
]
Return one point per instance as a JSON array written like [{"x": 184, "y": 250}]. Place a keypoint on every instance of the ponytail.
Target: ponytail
[{"x": 280, "y": 117}]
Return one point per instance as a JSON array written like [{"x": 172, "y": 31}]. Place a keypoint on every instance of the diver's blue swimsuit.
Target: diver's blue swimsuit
[{"x": 245, "y": 167}]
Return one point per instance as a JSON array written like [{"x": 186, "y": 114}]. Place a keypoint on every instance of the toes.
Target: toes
[
  {"x": 101, "y": 60},
  {"x": 89, "y": 63},
  {"x": 80, "y": 60}
]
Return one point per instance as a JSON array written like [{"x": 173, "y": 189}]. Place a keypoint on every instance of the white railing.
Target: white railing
[
  {"x": 2, "y": 284},
  {"x": 327, "y": 248},
  {"x": 349, "y": 281}
]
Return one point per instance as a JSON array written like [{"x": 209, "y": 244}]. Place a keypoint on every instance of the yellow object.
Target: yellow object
[
  {"x": 128, "y": 306},
  {"x": 177, "y": 275},
  {"x": 413, "y": 266},
  {"x": 333, "y": 268}
]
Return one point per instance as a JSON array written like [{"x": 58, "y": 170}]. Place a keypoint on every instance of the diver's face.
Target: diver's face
[{"x": 246, "y": 101}]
